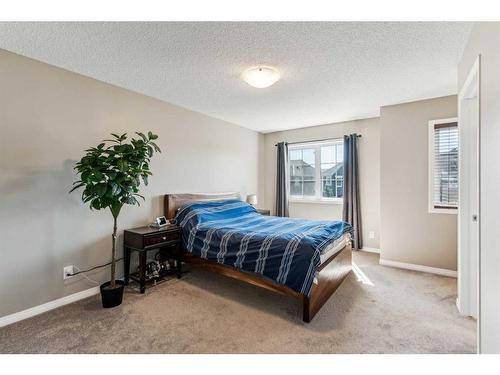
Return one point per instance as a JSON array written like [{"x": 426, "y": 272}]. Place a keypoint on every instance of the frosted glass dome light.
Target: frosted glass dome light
[{"x": 261, "y": 76}]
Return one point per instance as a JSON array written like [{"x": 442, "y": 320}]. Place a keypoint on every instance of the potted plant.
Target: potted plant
[{"x": 111, "y": 176}]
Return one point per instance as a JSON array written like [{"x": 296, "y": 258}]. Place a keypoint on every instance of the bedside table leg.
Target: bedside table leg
[
  {"x": 142, "y": 271},
  {"x": 127, "y": 265},
  {"x": 179, "y": 268},
  {"x": 178, "y": 261}
]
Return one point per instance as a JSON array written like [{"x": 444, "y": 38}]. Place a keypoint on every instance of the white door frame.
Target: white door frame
[{"x": 468, "y": 301}]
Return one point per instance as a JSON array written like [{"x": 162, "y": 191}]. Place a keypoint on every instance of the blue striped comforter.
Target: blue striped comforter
[{"x": 232, "y": 232}]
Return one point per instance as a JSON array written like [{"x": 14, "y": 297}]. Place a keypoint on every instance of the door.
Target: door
[{"x": 468, "y": 207}]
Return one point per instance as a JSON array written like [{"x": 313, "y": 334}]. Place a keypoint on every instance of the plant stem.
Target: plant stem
[{"x": 113, "y": 253}]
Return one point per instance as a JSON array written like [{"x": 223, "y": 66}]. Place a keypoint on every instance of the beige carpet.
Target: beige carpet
[{"x": 389, "y": 311}]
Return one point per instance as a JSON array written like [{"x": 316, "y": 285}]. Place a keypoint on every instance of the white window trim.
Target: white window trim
[
  {"x": 432, "y": 209},
  {"x": 317, "y": 161},
  {"x": 295, "y": 199}
]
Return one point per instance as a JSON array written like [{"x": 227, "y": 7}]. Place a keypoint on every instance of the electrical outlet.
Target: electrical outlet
[
  {"x": 371, "y": 234},
  {"x": 67, "y": 272}
]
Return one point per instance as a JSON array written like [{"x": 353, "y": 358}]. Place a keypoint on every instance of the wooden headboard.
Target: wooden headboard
[{"x": 172, "y": 202}]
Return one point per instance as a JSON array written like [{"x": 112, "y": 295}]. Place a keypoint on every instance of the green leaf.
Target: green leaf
[
  {"x": 152, "y": 136},
  {"x": 95, "y": 204},
  {"x": 97, "y": 176},
  {"x": 131, "y": 200},
  {"x": 77, "y": 186},
  {"x": 128, "y": 148},
  {"x": 145, "y": 179},
  {"x": 85, "y": 176},
  {"x": 122, "y": 165},
  {"x": 144, "y": 138},
  {"x": 115, "y": 188},
  {"x": 157, "y": 149},
  {"x": 137, "y": 180},
  {"x": 100, "y": 189},
  {"x": 118, "y": 148},
  {"x": 86, "y": 160}
]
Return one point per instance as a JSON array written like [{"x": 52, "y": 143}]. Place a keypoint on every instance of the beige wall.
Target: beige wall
[
  {"x": 369, "y": 167},
  {"x": 409, "y": 233},
  {"x": 485, "y": 40},
  {"x": 393, "y": 155},
  {"x": 48, "y": 116}
]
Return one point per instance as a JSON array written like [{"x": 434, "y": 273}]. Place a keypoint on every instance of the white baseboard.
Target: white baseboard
[
  {"x": 370, "y": 250},
  {"x": 418, "y": 267},
  {"x": 28, "y": 313}
]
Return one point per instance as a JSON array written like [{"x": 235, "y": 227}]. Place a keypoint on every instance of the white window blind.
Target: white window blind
[{"x": 445, "y": 165}]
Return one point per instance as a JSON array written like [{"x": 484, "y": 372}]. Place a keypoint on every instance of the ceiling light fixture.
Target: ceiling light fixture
[{"x": 261, "y": 76}]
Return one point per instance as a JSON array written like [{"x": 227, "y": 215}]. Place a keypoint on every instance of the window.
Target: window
[
  {"x": 316, "y": 171},
  {"x": 443, "y": 166}
]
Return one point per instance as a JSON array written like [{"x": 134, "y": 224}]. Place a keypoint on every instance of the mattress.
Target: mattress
[{"x": 334, "y": 247}]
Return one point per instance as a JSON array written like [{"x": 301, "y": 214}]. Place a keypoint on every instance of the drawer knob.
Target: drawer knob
[{"x": 164, "y": 238}]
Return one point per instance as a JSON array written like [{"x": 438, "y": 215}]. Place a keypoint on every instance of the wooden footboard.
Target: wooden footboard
[{"x": 329, "y": 277}]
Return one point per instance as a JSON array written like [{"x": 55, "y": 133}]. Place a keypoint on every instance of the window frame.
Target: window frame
[
  {"x": 453, "y": 210},
  {"x": 317, "y": 198}
]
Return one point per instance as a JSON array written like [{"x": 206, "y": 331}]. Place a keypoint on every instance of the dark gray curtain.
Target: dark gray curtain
[
  {"x": 352, "y": 206},
  {"x": 282, "y": 180}
]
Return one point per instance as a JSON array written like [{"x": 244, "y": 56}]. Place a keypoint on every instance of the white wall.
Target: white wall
[
  {"x": 485, "y": 41},
  {"x": 369, "y": 176},
  {"x": 48, "y": 116}
]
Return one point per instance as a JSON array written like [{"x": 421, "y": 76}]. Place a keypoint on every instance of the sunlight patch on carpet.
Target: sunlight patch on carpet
[{"x": 361, "y": 275}]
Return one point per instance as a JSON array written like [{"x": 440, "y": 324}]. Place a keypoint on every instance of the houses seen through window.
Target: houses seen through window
[{"x": 316, "y": 170}]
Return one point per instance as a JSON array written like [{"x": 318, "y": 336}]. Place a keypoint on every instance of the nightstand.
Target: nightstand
[
  {"x": 144, "y": 239},
  {"x": 264, "y": 212}
]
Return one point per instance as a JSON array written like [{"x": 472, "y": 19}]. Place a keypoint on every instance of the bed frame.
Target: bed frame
[{"x": 329, "y": 275}]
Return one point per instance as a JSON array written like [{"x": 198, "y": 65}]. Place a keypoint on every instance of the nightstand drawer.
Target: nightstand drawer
[{"x": 158, "y": 238}]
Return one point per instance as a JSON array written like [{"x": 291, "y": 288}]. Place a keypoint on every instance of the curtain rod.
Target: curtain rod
[{"x": 316, "y": 140}]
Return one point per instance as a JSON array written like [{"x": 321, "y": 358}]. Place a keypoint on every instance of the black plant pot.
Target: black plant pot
[{"x": 112, "y": 297}]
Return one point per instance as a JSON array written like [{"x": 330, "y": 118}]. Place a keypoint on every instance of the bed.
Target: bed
[{"x": 304, "y": 259}]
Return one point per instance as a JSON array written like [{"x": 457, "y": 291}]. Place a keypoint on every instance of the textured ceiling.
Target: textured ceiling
[{"x": 330, "y": 71}]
